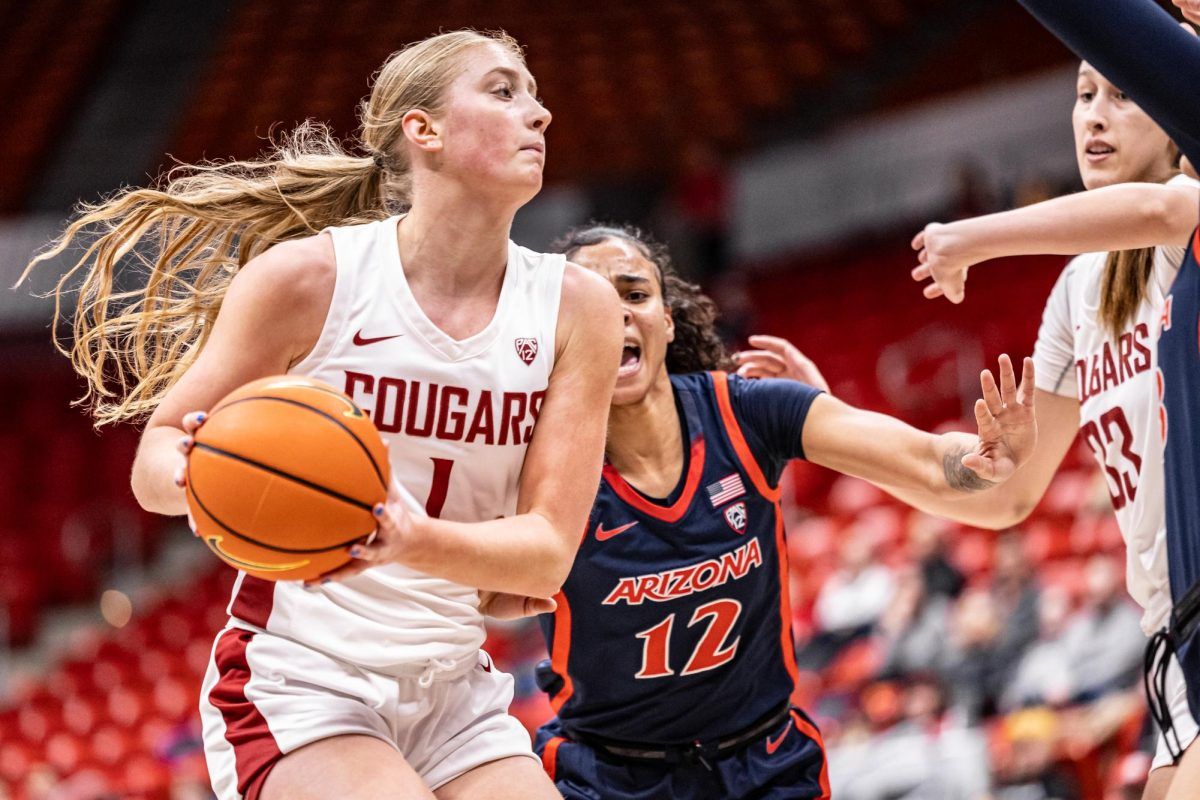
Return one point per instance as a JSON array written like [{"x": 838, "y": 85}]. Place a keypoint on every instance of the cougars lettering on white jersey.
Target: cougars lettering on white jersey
[
  {"x": 1115, "y": 384},
  {"x": 457, "y": 415}
]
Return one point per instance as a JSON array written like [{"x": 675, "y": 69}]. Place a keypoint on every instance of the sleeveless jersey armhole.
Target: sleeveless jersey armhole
[
  {"x": 333, "y": 328},
  {"x": 548, "y": 279},
  {"x": 734, "y": 431}
]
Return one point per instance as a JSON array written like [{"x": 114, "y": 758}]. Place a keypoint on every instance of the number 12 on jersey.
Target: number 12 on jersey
[{"x": 712, "y": 651}]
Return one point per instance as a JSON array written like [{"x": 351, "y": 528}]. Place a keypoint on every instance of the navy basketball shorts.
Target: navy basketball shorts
[{"x": 788, "y": 762}]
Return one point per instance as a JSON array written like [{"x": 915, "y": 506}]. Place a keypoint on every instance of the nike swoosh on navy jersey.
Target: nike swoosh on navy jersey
[
  {"x": 773, "y": 746},
  {"x": 604, "y": 535}
]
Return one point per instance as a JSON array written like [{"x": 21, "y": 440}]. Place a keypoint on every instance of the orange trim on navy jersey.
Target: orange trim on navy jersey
[
  {"x": 734, "y": 431},
  {"x": 560, "y": 650},
  {"x": 550, "y": 756},
  {"x": 810, "y": 730},
  {"x": 1196, "y": 245},
  {"x": 786, "y": 643},
  {"x": 673, "y": 512}
]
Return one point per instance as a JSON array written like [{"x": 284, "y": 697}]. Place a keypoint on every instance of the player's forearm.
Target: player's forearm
[
  {"x": 994, "y": 509},
  {"x": 1121, "y": 217},
  {"x": 886, "y": 451},
  {"x": 524, "y": 554},
  {"x": 1115, "y": 36},
  {"x": 153, "y": 476}
]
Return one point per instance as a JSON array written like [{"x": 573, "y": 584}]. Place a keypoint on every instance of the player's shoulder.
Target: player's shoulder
[
  {"x": 298, "y": 271},
  {"x": 589, "y": 303},
  {"x": 1081, "y": 278}
]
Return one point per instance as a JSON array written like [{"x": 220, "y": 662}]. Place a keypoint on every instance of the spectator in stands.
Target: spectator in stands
[
  {"x": 914, "y": 626},
  {"x": 851, "y": 600},
  {"x": 976, "y": 672},
  {"x": 1029, "y": 770},
  {"x": 1043, "y": 676},
  {"x": 1103, "y": 642},
  {"x": 1015, "y": 594},
  {"x": 927, "y": 546},
  {"x": 923, "y": 755}
]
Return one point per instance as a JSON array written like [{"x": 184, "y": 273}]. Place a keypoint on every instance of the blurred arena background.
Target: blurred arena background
[{"x": 787, "y": 150}]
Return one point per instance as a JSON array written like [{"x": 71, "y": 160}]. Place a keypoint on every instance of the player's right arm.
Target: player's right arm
[
  {"x": 271, "y": 315},
  {"x": 886, "y": 451},
  {"x": 1121, "y": 217},
  {"x": 1011, "y": 502}
]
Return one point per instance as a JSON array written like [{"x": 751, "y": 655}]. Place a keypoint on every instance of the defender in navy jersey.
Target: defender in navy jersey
[
  {"x": 1179, "y": 379},
  {"x": 1115, "y": 35},
  {"x": 672, "y": 659}
]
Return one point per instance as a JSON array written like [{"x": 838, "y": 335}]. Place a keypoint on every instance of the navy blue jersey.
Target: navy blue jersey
[
  {"x": 674, "y": 623},
  {"x": 1179, "y": 365}
]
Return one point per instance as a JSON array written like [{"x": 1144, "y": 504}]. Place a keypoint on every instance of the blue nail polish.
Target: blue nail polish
[
  {"x": 356, "y": 551},
  {"x": 327, "y": 580},
  {"x": 377, "y": 510}
]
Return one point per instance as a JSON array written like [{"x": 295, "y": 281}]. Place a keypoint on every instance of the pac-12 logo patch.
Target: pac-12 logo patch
[
  {"x": 735, "y": 517},
  {"x": 526, "y": 349}
]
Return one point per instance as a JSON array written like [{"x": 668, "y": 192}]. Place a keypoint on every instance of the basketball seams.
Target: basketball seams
[
  {"x": 233, "y": 532},
  {"x": 316, "y": 487},
  {"x": 362, "y": 445}
]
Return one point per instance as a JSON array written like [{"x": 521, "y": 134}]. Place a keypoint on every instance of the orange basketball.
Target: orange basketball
[{"x": 283, "y": 477}]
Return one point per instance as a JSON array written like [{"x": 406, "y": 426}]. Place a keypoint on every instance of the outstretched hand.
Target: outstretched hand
[
  {"x": 1007, "y": 426},
  {"x": 778, "y": 358},
  {"x": 937, "y": 251}
]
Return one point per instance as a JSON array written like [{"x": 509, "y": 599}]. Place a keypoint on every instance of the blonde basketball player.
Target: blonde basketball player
[{"x": 371, "y": 683}]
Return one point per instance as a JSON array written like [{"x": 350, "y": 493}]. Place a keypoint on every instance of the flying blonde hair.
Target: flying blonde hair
[{"x": 191, "y": 233}]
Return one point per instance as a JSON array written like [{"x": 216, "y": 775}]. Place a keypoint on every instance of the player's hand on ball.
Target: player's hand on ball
[
  {"x": 191, "y": 424},
  {"x": 501, "y": 605},
  {"x": 1007, "y": 427},
  {"x": 778, "y": 358},
  {"x": 394, "y": 530},
  {"x": 939, "y": 251}
]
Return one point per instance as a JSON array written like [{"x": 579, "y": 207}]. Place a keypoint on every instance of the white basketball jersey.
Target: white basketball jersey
[
  {"x": 457, "y": 415},
  {"x": 1115, "y": 383}
]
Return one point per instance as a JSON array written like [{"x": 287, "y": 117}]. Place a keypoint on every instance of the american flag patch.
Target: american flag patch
[{"x": 725, "y": 489}]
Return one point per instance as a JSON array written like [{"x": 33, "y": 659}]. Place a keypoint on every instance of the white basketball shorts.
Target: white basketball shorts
[
  {"x": 1185, "y": 724},
  {"x": 265, "y": 696}
]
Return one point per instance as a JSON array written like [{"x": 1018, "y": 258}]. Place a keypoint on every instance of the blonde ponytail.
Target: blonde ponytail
[{"x": 191, "y": 234}]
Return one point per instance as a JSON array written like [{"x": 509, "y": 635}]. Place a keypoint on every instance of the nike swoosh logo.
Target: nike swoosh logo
[
  {"x": 361, "y": 340},
  {"x": 604, "y": 535},
  {"x": 773, "y": 746}
]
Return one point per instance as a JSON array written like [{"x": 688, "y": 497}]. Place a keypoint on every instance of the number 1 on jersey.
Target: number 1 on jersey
[
  {"x": 712, "y": 650},
  {"x": 440, "y": 486}
]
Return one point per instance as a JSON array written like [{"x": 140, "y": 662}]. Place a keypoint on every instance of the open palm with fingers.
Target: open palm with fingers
[{"x": 1007, "y": 427}]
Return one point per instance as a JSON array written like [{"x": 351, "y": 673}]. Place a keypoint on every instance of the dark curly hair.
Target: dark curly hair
[{"x": 697, "y": 347}]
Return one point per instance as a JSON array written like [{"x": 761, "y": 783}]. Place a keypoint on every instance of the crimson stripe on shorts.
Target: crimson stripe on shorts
[
  {"x": 254, "y": 599},
  {"x": 254, "y": 748}
]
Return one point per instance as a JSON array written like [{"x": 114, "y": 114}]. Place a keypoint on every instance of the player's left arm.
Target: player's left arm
[
  {"x": 529, "y": 554},
  {"x": 884, "y": 450}
]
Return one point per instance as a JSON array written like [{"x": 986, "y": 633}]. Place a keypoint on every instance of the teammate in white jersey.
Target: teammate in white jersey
[
  {"x": 371, "y": 683},
  {"x": 1096, "y": 350}
]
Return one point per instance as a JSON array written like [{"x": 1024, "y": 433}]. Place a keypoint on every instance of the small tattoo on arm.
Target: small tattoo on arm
[{"x": 959, "y": 477}]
